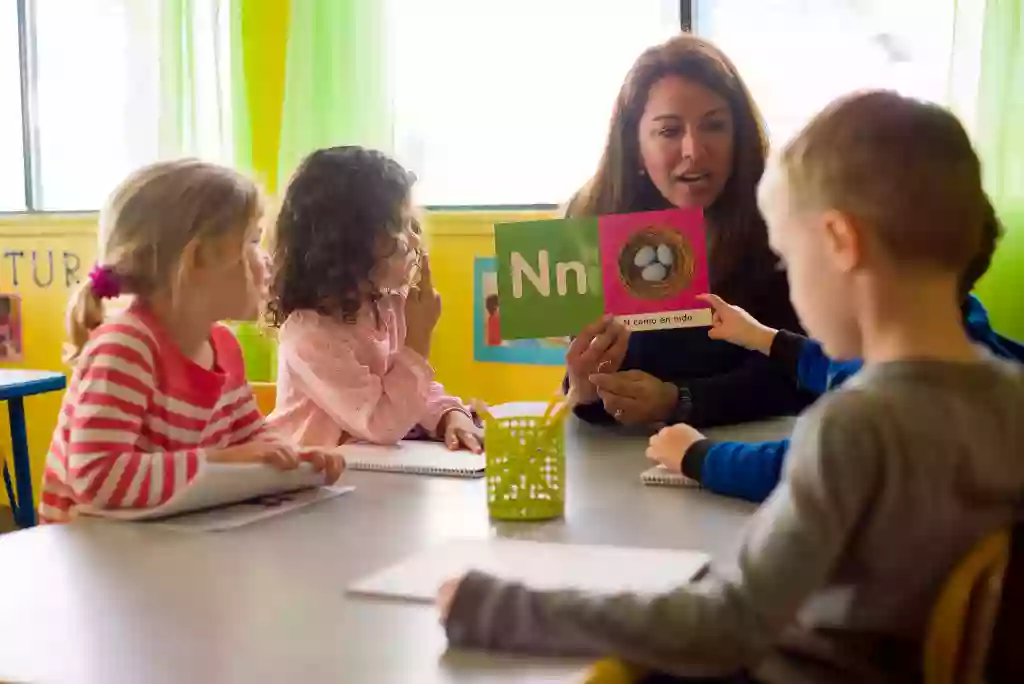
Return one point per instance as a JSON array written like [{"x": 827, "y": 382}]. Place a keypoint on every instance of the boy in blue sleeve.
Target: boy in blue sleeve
[{"x": 752, "y": 471}]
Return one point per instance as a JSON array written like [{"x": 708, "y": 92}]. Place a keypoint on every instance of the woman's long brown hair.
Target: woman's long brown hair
[{"x": 738, "y": 238}]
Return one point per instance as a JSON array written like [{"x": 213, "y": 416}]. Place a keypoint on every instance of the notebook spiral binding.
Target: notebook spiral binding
[
  {"x": 416, "y": 469},
  {"x": 660, "y": 476}
]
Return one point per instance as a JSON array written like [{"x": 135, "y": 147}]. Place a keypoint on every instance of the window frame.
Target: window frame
[
  {"x": 32, "y": 162},
  {"x": 29, "y": 106}
]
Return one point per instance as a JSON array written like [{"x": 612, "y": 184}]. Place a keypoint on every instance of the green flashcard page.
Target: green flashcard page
[{"x": 645, "y": 269}]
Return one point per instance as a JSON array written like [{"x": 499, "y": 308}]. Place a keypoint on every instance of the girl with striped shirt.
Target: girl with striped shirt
[{"x": 159, "y": 388}]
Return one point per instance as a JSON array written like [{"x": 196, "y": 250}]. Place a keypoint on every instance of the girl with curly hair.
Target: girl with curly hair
[{"x": 352, "y": 295}]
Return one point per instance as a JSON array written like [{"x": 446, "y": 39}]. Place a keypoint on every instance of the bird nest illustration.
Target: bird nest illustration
[{"x": 656, "y": 263}]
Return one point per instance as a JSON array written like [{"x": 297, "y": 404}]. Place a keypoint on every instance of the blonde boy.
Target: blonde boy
[{"x": 875, "y": 208}]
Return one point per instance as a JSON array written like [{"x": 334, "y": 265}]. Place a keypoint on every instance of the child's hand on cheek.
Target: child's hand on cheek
[
  {"x": 422, "y": 310},
  {"x": 460, "y": 432}
]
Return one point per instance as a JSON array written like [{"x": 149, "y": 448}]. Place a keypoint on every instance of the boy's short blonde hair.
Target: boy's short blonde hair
[{"x": 902, "y": 168}]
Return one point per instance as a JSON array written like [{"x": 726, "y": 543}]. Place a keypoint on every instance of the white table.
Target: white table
[{"x": 121, "y": 603}]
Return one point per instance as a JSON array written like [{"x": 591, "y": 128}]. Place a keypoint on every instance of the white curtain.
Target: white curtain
[{"x": 121, "y": 83}]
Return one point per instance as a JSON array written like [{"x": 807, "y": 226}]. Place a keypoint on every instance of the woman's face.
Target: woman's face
[{"x": 686, "y": 141}]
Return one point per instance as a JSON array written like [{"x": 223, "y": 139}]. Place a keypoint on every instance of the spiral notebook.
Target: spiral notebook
[
  {"x": 659, "y": 475},
  {"x": 415, "y": 458}
]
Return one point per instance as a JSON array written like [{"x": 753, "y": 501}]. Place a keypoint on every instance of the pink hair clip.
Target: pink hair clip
[{"x": 104, "y": 282}]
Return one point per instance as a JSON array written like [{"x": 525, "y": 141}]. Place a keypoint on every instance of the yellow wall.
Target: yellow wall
[
  {"x": 454, "y": 239},
  {"x": 28, "y": 247},
  {"x": 264, "y": 46}
]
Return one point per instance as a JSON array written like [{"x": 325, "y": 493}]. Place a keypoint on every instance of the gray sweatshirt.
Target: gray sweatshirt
[{"x": 889, "y": 481}]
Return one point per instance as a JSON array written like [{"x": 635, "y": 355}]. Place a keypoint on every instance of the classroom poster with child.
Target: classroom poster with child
[
  {"x": 645, "y": 269},
  {"x": 488, "y": 343},
  {"x": 10, "y": 328}
]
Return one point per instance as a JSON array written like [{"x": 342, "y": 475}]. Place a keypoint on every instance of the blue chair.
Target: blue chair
[{"x": 15, "y": 385}]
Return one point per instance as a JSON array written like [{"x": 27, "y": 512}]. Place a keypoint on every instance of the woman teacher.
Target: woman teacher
[{"x": 686, "y": 133}]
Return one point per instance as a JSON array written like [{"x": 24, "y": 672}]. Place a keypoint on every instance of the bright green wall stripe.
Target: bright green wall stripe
[
  {"x": 336, "y": 85},
  {"x": 1000, "y": 135}
]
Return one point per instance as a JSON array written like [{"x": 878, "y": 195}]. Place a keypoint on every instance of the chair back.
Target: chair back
[
  {"x": 613, "y": 671},
  {"x": 1006, "y": 655},
  {"x": 963, "y": 618}
]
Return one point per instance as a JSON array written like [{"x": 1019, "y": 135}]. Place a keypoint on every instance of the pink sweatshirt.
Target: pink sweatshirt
[{"x": 356, "y": 379}]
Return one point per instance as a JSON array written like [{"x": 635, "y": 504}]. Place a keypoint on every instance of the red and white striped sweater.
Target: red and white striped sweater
[{"x": 139, "y": 416}]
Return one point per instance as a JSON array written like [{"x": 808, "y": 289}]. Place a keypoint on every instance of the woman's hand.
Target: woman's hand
[
  {"x": 733, "y": 324},
  {"x": 670, "y": 445},
  {"x": 599, "y": 348},
  {"x": 422, "y": 311},
  {"x": 636, "y": 398},
  {"x": 459, "y": 431}
]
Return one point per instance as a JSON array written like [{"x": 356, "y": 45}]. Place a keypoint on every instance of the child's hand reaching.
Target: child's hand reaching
[
  {"x": 670, "y": 445},
  {"x": 733, "y": 324},
  {"x": 422, "y": 309},
  {"x": 459, "y": 431},
  {"x": 280, "y": 455}
]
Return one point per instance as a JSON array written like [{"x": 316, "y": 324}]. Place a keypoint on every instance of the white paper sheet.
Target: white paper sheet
[
  {"x": 415, "y": 457},
  {"x": 540, "y": 565},
  {"x": 217, "y": 484},
  {"x": 236, "y": 515},
  {"x": 518, "y": 408}
]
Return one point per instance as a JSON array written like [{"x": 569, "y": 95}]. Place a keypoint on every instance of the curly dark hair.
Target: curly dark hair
[{"x": 340, "y": 205}]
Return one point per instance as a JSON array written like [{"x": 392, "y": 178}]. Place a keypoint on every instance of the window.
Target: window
[
  {"x": 12, "y": 179},
  {"x": 115, "y": 84},
  {"x": 87, "y": 84},
  {"x": 798, "y": 55},
  {"x": 509, "y": 102}
]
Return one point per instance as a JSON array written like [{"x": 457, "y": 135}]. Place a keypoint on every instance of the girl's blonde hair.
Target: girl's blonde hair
[{"x": 145, "y": 228}]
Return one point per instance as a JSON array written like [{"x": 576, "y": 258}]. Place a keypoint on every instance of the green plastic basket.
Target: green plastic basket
[
  {"x": 525, "y": 467},
  {"x": 259, "y": 350}
]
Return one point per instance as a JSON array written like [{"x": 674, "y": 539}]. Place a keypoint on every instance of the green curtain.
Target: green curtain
[
  {"x": 203, "y": 106},
  {"x": 336, "y": 80},
  {"x": 999, "y": 135},
  {"x": 177, "y": 110}
]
